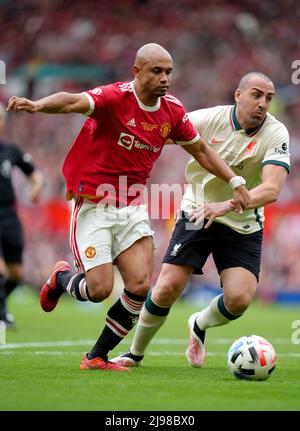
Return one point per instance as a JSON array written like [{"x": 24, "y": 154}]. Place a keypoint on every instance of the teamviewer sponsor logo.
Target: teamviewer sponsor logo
[
  {"x": 126, "y": 141},
  {"x": 129, "y": 141}
]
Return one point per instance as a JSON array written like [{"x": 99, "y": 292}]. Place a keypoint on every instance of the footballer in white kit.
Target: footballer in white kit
[
  {"x": 246, "y": 151},
  {"x": 234, "y": 239}
]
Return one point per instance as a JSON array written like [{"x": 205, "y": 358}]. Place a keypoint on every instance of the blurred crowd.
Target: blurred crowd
[{"x": 54, "y": 45}]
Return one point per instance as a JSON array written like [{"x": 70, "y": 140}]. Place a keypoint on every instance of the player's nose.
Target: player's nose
[
  {"x": 164, "y": 78},
  {"x": 262, "y": 104}
]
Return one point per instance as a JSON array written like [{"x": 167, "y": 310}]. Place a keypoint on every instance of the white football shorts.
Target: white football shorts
[{"x": 99, "y": 233}]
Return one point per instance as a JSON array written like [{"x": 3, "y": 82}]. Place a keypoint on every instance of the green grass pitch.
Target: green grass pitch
[{"x": 39, "y": 365}]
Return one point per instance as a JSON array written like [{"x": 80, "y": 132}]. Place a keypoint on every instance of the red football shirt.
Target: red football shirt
[{"x": 121, "y": 139}]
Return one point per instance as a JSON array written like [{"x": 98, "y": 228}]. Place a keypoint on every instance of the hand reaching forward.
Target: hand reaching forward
[
  {"x": 21, "y": 104},
  {"x": 210, "y": 211}
]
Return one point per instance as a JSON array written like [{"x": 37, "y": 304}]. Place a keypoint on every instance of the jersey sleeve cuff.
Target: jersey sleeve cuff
[
  {"x": 278, "y": 163},
  {"x": 92, "y": 104},
  {"x": 195, "y": 139}
]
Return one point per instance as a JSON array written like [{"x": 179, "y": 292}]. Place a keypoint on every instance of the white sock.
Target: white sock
[
  {"x": 147, "y": 327},
  {"x": 215, "y": 314}
]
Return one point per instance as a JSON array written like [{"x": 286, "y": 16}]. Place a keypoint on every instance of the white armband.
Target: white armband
[{"x": 92, "y": 104}]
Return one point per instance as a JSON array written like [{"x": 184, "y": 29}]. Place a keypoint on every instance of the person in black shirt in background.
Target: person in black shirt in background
[{"x": 11, "y": 235}]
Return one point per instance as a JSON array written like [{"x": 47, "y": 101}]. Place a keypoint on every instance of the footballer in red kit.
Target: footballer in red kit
[
  {"x": 122, "y": 136},
  {"x": 128, "y": 124}
]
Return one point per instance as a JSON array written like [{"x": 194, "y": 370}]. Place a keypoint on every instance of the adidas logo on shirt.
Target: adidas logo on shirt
[{"x": 131, "y": 123}]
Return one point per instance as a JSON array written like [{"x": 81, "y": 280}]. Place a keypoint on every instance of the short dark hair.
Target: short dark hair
[{"x": 246, "y": 78}]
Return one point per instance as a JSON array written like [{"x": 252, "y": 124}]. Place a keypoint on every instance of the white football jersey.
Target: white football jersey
[{"x": 245, "y": 151}]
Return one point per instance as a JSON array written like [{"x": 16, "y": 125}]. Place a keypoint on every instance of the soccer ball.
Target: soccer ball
[{"x": 251, "y": 357}]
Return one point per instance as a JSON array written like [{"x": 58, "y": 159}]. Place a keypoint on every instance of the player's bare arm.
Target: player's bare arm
[
  {"x": 58, "y": 103},
  {"x": 273, "y": 178},
  {"x": 214, "y": 164}
]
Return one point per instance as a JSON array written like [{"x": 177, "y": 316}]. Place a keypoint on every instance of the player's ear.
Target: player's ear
[
  {"x": 136, "y": 71},
  {"x": 237, "y": 95}
]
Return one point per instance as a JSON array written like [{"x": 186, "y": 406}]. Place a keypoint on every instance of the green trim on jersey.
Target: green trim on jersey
[
  {"x": 236, "y": 125},
  {"x": 234, "y": 120},
  {"x": 278, "y": 163},
  {"x": 257, "y": 218}
]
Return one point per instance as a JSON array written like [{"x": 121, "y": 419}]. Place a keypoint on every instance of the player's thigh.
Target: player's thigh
[
  {"x": 136, "y": 265},
  {"x": 190, "y": 245},
  {"x": 239, "y": 285},
  {"x": 238, "y": 262},
  {"x": 132, "y": 225},
  {"x": 170, "y": 283},
  {"x": 237, "y": 250},
  {"x": 100, "y": 280},
  {"x": 90, "y": 237}
]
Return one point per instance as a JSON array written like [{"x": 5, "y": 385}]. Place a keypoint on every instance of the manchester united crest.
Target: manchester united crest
[
  {"x": 90, "y": 252},
  {"x": 165, "y": 129}
]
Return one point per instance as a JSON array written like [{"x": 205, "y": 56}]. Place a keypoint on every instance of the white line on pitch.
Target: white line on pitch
[
  {"x": 159, "y": 341},
  {"x": 68, "y": 353}
]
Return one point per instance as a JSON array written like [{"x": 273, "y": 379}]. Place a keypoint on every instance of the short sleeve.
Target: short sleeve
[
  {"x": 97, "y": 100},
  {"x": 194, "y": 117},
  {"x": 278, "y": 149},
  {"x": 184, "y": 132},
  {"x": 202, "y": 118}
]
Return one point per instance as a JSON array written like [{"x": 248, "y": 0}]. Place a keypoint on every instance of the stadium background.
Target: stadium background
[{"x": 54, "y": 45}]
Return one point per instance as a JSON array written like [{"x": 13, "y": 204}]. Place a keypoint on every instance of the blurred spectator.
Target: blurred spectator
[{"x": 48, "y": 46}]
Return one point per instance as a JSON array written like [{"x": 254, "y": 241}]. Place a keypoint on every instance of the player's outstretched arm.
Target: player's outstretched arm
[
  {"x": 58, "y": 103},
  {"x": 213, "y": 163},
  {"x": 273, "y": 178}
]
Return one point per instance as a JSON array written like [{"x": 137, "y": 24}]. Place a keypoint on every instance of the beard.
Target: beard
[{"x": 256, "y": 121}]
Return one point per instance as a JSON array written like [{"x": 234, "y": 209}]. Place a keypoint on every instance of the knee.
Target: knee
[
  {"x": 239, "y": 302},
  {"x": 166, "y": 291},
  {"x": 140, "y": 286},
  {"x": 98, "y": 291}
]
